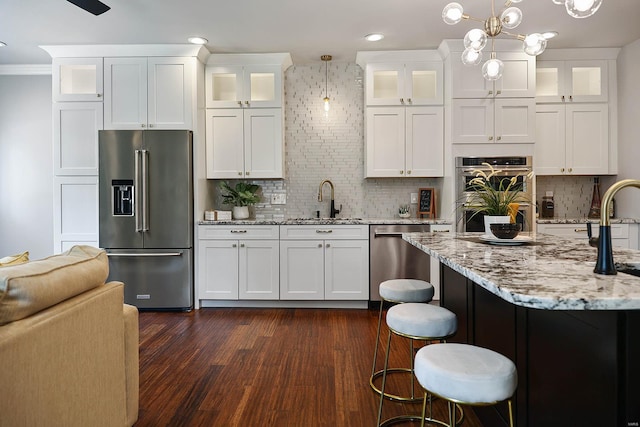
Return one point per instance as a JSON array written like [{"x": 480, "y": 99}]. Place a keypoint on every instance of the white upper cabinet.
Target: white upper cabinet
[
  {"x": 152, "y": 93},
  {"x": 75, "y": 137},
  {"x": 77, "y": 79},
  {"x": 518, "y": 78},
  {"x": 572, "y": 139},
  {"x": 509, "y": 120},
  {"x": 404, "y": 142},
  {"x": 250, "y": 86},
  {"x": 572, "y": 81},
  {"x": 244, "y": 143},
  {"x": 410, "y": 83}
]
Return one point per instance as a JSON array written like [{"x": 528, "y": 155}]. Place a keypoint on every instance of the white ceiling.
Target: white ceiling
[{"x": 306, "y": 29}]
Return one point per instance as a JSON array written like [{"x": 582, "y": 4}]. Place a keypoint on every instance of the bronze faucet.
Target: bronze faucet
[
  {"x": 333, "y": 211},
  {"x": 604, "y": 264}
]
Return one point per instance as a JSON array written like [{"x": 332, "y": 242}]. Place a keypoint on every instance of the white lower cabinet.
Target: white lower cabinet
[
  {"x": 622, "y": 235},
  {"x": 322, "y": 262},
  {"x": 238, "y": 262}
]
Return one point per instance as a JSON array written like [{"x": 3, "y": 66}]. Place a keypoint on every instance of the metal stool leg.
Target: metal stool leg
[
  {"x": 384, "y": 378},
  {"x": 375, "y": 351}
]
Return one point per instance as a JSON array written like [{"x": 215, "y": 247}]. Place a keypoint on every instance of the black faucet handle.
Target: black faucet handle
[{"x": 337, "y": 211}]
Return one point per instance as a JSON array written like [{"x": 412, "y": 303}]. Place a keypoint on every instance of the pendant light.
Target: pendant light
[{"x": 326, "y": 59}]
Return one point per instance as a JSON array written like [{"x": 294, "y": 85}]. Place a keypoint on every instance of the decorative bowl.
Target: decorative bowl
[
  {"x": 505, "y": 231},
  {"x": 404, "y": 215}
]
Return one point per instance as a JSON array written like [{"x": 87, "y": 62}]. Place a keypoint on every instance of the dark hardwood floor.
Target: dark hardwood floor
[{"x": 265, "y": 367}]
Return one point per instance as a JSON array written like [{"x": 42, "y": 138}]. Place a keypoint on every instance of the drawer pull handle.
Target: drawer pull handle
[
  {"x": 324, "y": 231},
  {"x": 580, "y": 230},
  {"x": 239, "y": 231},
  {"x": 440, "y": 231}
]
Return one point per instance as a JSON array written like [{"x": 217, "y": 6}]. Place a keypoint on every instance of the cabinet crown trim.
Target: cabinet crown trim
[
  {"x": 115, "y": 50},
  {"x": 282, "y": 59},
  {"x": 366, "y": 57}
]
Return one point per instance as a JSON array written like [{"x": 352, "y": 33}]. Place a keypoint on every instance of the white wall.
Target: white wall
[
  {"x": 628, "y": 200},
  {"x": 26, "y": 166}
]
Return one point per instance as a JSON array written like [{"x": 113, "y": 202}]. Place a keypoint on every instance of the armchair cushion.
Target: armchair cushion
[{"x": 28, "y": 288}]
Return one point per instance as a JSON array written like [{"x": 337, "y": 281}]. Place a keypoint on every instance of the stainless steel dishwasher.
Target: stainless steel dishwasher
[{"x": 393, "y": 258}]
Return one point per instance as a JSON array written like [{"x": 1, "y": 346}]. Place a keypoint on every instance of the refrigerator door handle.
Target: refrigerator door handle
[
  {"x": 137, "y": 208},
  {"x": 151, "y": 254},
  {"x": 145, "y": 200}
]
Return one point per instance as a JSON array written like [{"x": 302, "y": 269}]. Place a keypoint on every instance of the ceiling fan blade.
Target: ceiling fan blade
[{"x": 92, "y": 6}]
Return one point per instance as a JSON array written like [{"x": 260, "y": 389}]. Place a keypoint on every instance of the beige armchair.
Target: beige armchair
[{"x": 68, "y": 344}]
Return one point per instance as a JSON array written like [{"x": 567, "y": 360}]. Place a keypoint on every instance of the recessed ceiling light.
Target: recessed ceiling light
[
  {"x": 374, "y": 37},
  {"x": 549, "y": 34},
  {"x": 198, "y": 40},
  {"x": 2, "y": 44}
]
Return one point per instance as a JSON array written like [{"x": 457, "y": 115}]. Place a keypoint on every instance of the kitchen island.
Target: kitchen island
[{"x": 573, "y": 335}]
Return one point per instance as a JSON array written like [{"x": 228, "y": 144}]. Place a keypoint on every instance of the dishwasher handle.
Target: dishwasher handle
[{"x": 387, "y": 234}]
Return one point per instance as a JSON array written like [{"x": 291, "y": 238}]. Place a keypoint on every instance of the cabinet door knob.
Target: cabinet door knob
[
  {"x": 490, "y": 92},
  {"x": 240, "y": 103},
  {"x": 240, "y": 173},
  {"x": 490, "y": 138},
  {"x": 409, "y": 100},
  {"x": 562, "y": 170},
  {"x": 401, "y": 100},
  {"x": 499, "y": 92},
  {"x": 401, "y": 172},
  {"x": 319, "y": 245},
  {"x": 246, "y": 103},
  {"x": 98, "y": 95},
  {"x": 234, "y": 245},
  {"x": 499, "y": 138},
  {"x": 328, "y": 245},
  {"x": 409, "y": 172},
  {"x": 142, "y": 125},
  {"x": 570, "y": 170},
  {"x": 150, "y": 125},
  {"x": 247, "y": 173},
  {"x": 242, "y": 245},
  {"x": 570, "y": 97},
  {"x": 562, "y": 98}
]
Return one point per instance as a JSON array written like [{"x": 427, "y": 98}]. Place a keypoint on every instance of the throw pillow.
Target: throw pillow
[{"x": 15, "y": 259}]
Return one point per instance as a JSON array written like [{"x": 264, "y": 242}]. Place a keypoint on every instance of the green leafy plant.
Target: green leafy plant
[
  {"x": 243, "y": 194},
  {"x": 490, "y": 199}
]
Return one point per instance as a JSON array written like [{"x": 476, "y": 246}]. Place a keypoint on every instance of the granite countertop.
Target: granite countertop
[
  {"x": 327, "y": 221},
  {"x": 585, "y": 220},
  {"x": 550, "y": 273}
]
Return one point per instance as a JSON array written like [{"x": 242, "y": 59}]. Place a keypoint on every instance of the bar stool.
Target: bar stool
[
  {"x": 399, "y": 291},
  {"x": 415, "y": 321},
  {"x": 465, "y": 374}
]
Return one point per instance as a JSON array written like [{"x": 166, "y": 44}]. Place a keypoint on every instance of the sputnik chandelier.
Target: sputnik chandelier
[
  {"x": 580, "y": 8},
  {"x": 476, "y": 39}
]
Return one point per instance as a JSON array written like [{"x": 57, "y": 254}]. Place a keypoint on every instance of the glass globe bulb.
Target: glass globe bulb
[
  {"x": 475, "y": 39},
  {"x": 516, "y": 1},
  {"x": 452, "y": 13},
  {"x": 511, "y": 17},
  {"x": 558, "y": 1},
  {"x": 471, "y": 56},
  {"x": 492, "y": 69},
  {"x": 582, "y": 8},
  {"x": 534, "y": 44},
  {"x": 326, "y": 104}
]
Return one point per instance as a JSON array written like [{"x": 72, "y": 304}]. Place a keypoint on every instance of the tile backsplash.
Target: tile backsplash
[
  {"x": 571, "y": 194},
  {"x": 321, "y": 145}
]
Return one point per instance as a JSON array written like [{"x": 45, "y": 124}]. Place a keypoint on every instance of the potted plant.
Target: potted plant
[
  {"x": 241, "y": 197},
  {"x": 498, "y": 199}
]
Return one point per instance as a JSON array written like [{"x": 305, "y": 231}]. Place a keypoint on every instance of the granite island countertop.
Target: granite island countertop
[
  {"x": 549, "y": 273},
  {"x": 584, "y": 220}
]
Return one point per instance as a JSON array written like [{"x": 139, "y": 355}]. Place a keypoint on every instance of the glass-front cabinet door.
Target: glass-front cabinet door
[
  {"x": 77, "y": 79},
  {"x": 418, "y": 83},
  {"x": 244, "y": 86},
  {"x": 572, "y": 81}
]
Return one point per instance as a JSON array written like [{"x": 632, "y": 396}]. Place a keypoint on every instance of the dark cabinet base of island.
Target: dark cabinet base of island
[{"x": 575, "y": 368}]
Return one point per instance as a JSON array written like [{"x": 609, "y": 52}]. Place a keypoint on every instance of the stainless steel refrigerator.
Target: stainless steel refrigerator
[{"x": 146, "y": 215}]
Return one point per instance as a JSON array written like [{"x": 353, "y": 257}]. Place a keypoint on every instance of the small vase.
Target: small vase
[
  {"x": 494, "y": 219},
  {"x": 240, "y": 212}
]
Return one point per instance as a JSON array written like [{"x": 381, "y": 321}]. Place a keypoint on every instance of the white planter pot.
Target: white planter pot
[
  {"x": 497, "y": 219},
  {"x": 242, "y": 212}
]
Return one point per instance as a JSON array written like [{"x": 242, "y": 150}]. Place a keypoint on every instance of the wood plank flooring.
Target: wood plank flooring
[{"x": 266, "y": 367}]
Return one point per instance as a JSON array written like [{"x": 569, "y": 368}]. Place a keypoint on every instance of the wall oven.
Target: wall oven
[{"x": 508, "y": 168}]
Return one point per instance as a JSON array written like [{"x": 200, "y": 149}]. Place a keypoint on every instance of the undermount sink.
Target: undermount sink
[{"x": 628, "y": 268}]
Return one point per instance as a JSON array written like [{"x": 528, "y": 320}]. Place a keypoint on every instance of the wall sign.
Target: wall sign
[{"x": 427, "y": 202}]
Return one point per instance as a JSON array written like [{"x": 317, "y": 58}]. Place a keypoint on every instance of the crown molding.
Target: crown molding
[{"x": 25, "y": 69}]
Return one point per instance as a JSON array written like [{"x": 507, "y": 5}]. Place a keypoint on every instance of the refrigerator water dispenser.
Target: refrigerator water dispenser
[{"x": 122, "y": 197}]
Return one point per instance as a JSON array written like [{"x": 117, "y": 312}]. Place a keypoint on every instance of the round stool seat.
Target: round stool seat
[
  {"x": 406, "y": 290},
  {"x": 465, "y": 373},
  {"x": 421, "y": 320}
]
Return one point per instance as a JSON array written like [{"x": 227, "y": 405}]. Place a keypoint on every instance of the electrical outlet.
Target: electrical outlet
[
  {"x": 414, "y": 198},
  {"x": 279, "y": 199}
]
